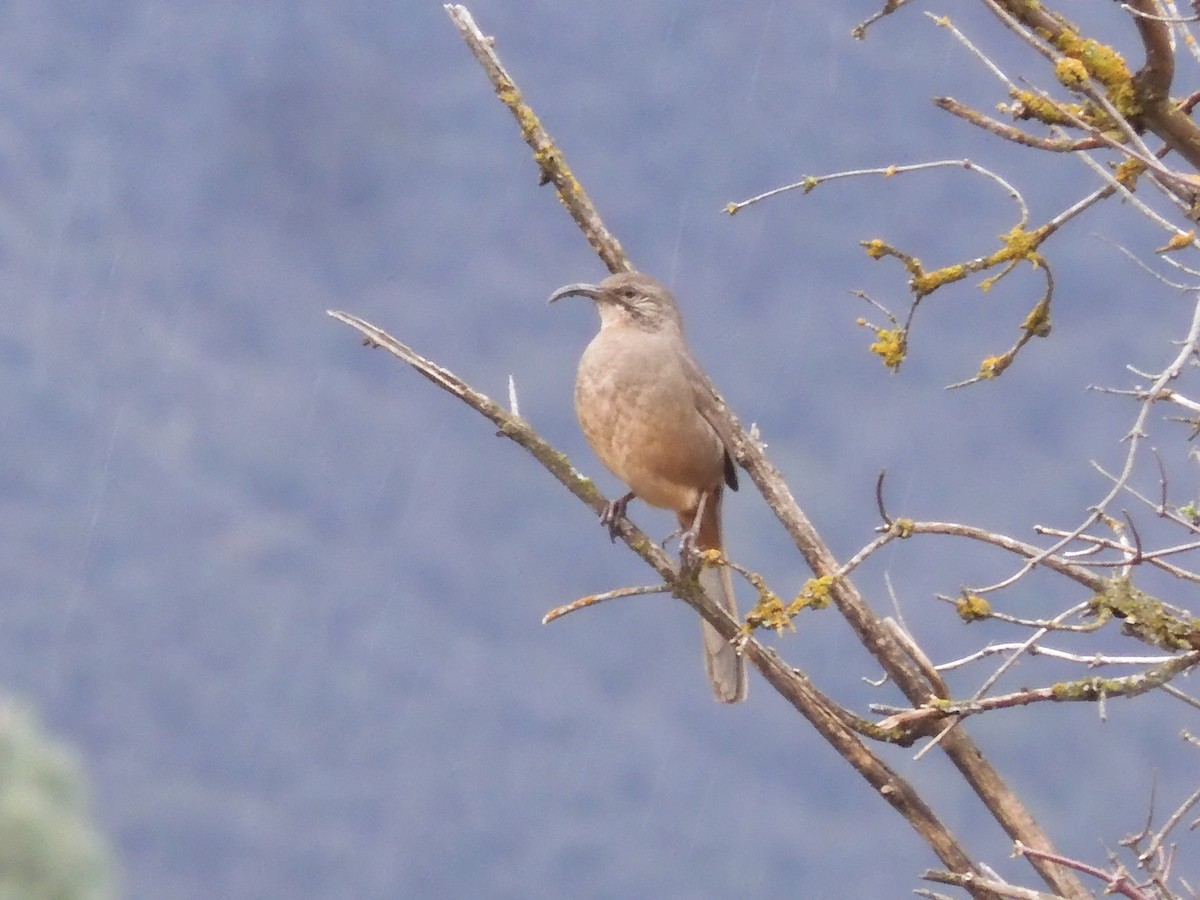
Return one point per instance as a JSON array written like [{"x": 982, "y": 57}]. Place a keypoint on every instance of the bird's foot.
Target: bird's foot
[
  {"x": 691, "y": 557},
  {"x": 614, "y": 511}
]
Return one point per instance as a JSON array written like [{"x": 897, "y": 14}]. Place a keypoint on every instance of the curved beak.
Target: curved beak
[{"x": 573, "y": 290}]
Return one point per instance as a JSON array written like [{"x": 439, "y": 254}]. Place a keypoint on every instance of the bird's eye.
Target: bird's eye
[{"x": 628, "y": 293}]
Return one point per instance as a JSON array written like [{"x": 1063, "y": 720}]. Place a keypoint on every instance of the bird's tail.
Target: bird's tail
[{"x": 726, "y": 670}]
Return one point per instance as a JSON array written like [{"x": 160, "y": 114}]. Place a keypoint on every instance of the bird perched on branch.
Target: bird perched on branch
[{"x": 648, "y": 413}]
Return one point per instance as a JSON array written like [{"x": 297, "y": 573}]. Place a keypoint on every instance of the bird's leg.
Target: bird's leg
[
  {"x": 614, "y": 511},
  {"x": 688, "y": 554}
]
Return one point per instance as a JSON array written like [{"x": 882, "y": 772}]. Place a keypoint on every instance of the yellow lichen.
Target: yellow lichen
[
  {"x": 1033, "y": 106},
  {"x": 1093, "y": 688},
  {"x": 890, "y": 346},
  {"x": 1102, "y": 63},
  {"x": 1178, "y": 242},
  {"x": 771, "y": 612},
  {"x": 1070, "y": 72},
  {"x": 1020, "y": 244},
  {"x": 924, "y": 283},
  {"x": 1037, "y": 323},
  {"x": 815, "y": 593},
  {"x": 973, "y": 608},
  {"x": 1146, "y": 618},
  {"x": 1126, "y": 173},
  {"x": 994, "y": 365},
  {"x": 876, "y": 249}
]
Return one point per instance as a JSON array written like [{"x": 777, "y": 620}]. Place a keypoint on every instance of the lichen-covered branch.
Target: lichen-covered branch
[
  {"x": 551, "y": 163},
  {"x": 871, "y": 631},
  {"x": 1143, "y": 96},
  {"x": 1086, "y": 690},
  {"x": 830, "y": 721}
]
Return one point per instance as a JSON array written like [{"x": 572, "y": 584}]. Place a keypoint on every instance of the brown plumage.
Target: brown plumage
[{"x": 645, "y": 408}]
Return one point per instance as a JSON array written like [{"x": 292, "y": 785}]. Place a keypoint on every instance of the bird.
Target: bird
[{"x": 648, "y": 412}]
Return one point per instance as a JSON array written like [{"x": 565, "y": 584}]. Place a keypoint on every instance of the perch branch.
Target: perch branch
[
  {"x": 828, "y": 719},
  {"x": 983, "y": 778}
]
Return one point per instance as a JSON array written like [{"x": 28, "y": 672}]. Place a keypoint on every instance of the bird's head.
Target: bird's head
[{"x": 628, "y": 298}]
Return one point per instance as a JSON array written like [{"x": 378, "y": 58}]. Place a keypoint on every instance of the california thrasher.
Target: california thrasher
[{"x": 649, "y": 414}]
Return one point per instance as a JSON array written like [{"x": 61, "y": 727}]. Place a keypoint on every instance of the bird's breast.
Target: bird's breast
[{"x": 637, "y": 409}]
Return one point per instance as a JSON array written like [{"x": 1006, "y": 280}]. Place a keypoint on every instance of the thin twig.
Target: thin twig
[
  {"x": 1092, "y": 660},
  {"x": 1083, "y": 690},
  {"x": 1159, "y": 837},
  {"x": 593, "y": 599},
  {"x": 1180, "y": 695},
  {"x": 1135, "y": 435},
  {"x": 1115, "y": 882},
  {"x": 1154, "y": 557},
  {"x": 996, "y": 886},
  {"x": 810, "y": 182}
]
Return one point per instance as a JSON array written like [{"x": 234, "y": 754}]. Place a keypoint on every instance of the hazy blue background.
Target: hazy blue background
[{"x": 284, "y": 595}]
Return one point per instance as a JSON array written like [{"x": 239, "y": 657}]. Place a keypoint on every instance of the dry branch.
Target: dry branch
[
  {"x": 872, "y": 632},
  {"x": 829, "y": 720}
]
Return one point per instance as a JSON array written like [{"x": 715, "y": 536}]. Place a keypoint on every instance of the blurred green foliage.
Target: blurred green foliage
[{"x": 49, "y": 848}]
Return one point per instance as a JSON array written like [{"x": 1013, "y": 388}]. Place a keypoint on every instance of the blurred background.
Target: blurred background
[{"x": 282, "y": 596}]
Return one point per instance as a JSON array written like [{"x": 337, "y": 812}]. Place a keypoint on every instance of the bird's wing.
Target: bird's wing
[{"x": 708, "y": 404}]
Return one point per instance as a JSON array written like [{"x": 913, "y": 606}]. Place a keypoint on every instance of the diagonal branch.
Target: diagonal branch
[
  {"x": 554, "y": 168},
  {"x": 1158, "y": 112},
  {"x": 829, "y": 720},
  {"x": 880, "y": 641}
]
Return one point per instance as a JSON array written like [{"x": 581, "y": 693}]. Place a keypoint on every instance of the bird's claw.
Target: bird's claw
[
  {"x": 689, "y": 554},
  {"x": 614, "y": 512}
]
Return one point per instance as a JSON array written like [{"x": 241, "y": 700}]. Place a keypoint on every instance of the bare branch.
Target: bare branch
[
  {"x": 811, "y": 182},
  {"x": 890, "y": 6},
  {"x": 1135, "y": 435},
  {"x": 593, "y": 599},
  {"x": 1000, "y": 888},
  {"x": 1129, "y": 8},
  {"x": 1159, "y": 837},
  {"x": 1180, "y": 695},
  {"x": 1051, "y": 561},
  {"x": 1117, "y": 882},
  {"x": 1092, "y": 661},
  {"x": 1154, "y": 557}
]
